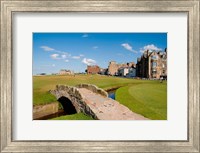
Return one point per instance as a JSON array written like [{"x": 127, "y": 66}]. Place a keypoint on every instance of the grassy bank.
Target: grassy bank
[
  {"x": 79, "y": 116},
  {"x": 150, "y": 100}
]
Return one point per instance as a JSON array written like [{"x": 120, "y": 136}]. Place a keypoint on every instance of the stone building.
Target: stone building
[
  {"x": 127, "y": 72},
  {"x": 65, "y": 72},
  {"x": 113, "y": 67},
  {"x": 93, "y": 69},
  {"x": 152, "y": 65}
]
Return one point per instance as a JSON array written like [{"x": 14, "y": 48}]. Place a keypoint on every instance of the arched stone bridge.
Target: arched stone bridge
[{"x": 92, "y": 101}]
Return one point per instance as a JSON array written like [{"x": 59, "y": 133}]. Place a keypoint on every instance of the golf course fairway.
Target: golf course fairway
[{"x": 149, "y": 100}]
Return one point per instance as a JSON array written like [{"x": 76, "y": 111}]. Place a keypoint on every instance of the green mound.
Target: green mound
[{"x": 149, "y": 100}]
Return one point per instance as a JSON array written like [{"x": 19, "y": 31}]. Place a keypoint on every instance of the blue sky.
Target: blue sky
[{"x": 74, "y": 51}]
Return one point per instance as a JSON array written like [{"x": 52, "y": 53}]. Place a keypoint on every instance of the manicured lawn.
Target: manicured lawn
[
  {"x": 79, "y": 116},
  {"x": 149, "y": 99},
  {"x": 145, "y": 97},
  {"x": 42, "y": 84}
]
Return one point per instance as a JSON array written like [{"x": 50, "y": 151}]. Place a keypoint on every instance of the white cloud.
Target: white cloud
[
  {"x": 88, "y": 61},
  {"x": 81, "y": 55},
  {"x": 53, "y": 65},
  {"x": 151, "y": 47},
  {"x": 46, "y": 48},
  {"x": 66, "y": 60},
  {"x": 95, "y": 47},
  {"x": 128, "y": 47},
  {"x": 55, "y": 56},
  {"x": 76, "y": 57},
  {"x": 64, "y": 56},
  {"x": 85, "y": 35}
]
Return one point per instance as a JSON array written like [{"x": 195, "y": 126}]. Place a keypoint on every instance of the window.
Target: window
[
  {"x": 163, "y": 65},
  {"x": 154, "y": 57},
  {"x": 154, "y": 64},
  {"x": 154, "y": 71}
]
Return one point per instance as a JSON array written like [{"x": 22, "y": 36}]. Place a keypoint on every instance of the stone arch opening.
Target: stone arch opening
[{"x": 67, "y": 105}]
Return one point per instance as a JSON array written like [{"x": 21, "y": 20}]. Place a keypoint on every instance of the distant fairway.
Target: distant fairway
[
  {"x": 42, "y": 84},
  {"x": 145, "y": 97}
]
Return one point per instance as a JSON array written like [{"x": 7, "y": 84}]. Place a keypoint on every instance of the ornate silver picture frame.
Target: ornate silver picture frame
[{"x": 9, "y": 8}]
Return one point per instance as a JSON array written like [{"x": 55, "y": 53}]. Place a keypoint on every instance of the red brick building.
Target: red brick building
[{"x": 94, "y": 69}]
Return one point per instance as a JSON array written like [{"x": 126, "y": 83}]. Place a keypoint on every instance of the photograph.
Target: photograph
[
  {"x": 94, "y": 76},
  {"x": 99, "y": 76}
]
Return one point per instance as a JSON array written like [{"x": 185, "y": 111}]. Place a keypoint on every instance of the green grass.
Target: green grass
[
  {"x": 149, "y": 99},
  {"x": 145, "y": 97},
  {"x": 79, "y": 116},
  {"x": 42, "y": 98},
  {"x": 42, "y": 84}
]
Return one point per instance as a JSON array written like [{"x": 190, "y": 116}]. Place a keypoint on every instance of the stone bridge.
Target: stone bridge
[{"x": 92, "y": 101}]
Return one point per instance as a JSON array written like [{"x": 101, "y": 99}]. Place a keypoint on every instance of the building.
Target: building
[
  {"x": 93, "y": 69},
  {"x": 152, "y": 65},
  {"x": 129, "y": 72},
  {"x": 66, "y": 72},
  {"x": 103, "y": 71},
  {"x": 42, "y": 74},
  {"x": 113, "y": 67},
  {"x": 123, "y": 71}
]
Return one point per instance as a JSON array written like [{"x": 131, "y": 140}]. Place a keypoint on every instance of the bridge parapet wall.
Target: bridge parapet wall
[
  {"x": 73, "y": 94},
  {"x": 94, "y": 89}
]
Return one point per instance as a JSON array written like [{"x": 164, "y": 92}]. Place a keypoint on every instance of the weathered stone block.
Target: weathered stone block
[
  {"x": 74, "y": 95},
  {"x": 93, "y": 88}
]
